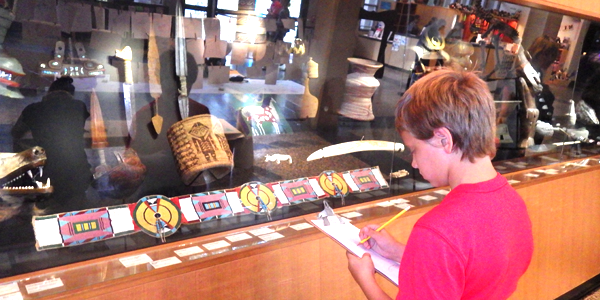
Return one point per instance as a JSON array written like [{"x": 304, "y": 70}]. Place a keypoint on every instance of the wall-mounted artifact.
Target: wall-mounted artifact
[
  {"x": 76, "y": 67},
  {"x": 160, "y": 216},
  {"x": 154, "y": 79},
  {"x": 181, "y": 63},
  {"x": 128, "y": 90}
]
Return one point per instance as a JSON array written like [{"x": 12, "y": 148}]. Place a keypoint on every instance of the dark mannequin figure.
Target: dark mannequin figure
[
  {"x": 57, "y": 124},
  {"x": 154, "y": 150}
]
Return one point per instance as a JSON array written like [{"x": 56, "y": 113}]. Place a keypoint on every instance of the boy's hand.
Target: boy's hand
[
  {"x": 382, "y": 242},
  {"x": 363, "y": 272},
  {"x": 362, "y": 269}
]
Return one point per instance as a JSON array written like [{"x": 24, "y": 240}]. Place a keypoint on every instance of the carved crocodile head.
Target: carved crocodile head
[{"x": 19, "y": 173}]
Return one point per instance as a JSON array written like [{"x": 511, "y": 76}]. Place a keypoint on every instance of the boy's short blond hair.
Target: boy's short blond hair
[{"x": 457, "y": 100}]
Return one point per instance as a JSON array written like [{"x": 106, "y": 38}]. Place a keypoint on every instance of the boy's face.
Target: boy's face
[{"x": 428, "y": 157}]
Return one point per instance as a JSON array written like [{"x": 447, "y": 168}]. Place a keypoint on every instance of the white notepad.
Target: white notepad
[{"x": 347, "y": 236}]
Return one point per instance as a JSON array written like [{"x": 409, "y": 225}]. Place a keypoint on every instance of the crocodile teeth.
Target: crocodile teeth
[{"x": 30, "y": 173}]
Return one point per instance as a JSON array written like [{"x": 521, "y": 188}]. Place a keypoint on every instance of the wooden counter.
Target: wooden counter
[{"x": 564, "y": 206}]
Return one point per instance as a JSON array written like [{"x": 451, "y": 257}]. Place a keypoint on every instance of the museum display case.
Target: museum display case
[{"x": 218, "y": 132}]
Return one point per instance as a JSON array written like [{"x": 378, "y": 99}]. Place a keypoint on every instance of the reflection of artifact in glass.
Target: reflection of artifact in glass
[
  {"x": 497, "y": 28},
  {"x": 504, "y": 109},
  {"x": 18, "y": 173},
  {"x": 310, "y": 104},
  {"x": 121, "y": 179},
  {"x": 529, "y": 116},
  {"x": 9, "y": 66},
  {"x": 200, "y": 149},
  {"x": 98, "y": 133},
  {"x": 80, "y": 66},
  {"x": 429, "y": 50},
  {"x": 157, "y": 216},
  {"x": 355, "y": 146},
  {"x": 298, "y": 48},
  {"x": 257, "y": 116},
  {"x": 278, "y": 158},
  {"x": 585, "y": 114},
  {"x": 460, "y": 53}
]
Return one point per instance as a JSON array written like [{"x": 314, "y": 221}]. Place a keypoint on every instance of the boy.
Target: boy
[{"x": 477, "y": 242}]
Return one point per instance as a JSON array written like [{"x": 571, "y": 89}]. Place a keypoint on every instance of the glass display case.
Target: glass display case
[{"x": 220, "y": 122}]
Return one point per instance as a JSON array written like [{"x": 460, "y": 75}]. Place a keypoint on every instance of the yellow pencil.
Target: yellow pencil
[{"x": 387, "y": 223}]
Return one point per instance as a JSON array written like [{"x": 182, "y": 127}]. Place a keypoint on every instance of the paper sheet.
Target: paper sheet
[
  {"x": 140, "y": 25},
  {"x": 347, "y": 235}
]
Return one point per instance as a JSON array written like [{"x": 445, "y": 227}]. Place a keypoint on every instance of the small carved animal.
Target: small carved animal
[{"x": 278, "y": 158}]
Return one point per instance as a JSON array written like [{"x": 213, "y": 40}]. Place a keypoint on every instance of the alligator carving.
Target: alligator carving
[{"x": 19, "y": 173}]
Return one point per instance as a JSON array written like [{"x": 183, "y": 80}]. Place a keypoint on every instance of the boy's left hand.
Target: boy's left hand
[{"x": 362, "y": 269}]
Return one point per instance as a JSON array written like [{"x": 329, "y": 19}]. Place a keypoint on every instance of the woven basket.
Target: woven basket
[{"x": 200, "y": 149}]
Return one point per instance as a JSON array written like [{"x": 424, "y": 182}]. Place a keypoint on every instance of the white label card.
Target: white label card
[
  {"x": 165, "y": 262},
  {"x": 385, "y": 204},
  {"x": 44, "y": 285},
  {"x": 352, "y": 214},
  {"x": 238, "y": 237},
  {"x": 401, "y": 200},
  {"x": 261, "y": 231},
  {"x": 442, "y": 192},
  {"x": 216, "y": 245},
  {"x": 301, "y": 226},
  {"x": 135, "y": 260},
  {"x": 13, "y": 296},
  {"x": 188, "y": 251},
  {"x": 271, "y": 236},
  {"x": 404, "y": 205},
  {"x": 427, "y": 198},
  {"x": 8, "y": 288}
]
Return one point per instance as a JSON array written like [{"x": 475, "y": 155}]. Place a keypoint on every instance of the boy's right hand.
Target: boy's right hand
[{"x": 382, "y": 242}]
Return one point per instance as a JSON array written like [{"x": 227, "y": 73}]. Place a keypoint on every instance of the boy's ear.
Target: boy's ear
[{"x": 444, "y": 137}]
